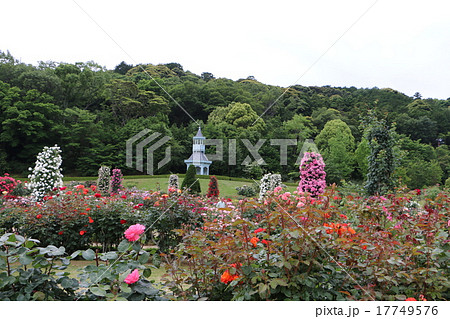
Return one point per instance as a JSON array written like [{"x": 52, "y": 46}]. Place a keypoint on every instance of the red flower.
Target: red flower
[
  {"x": 39, "y": 216},
  {"x": 123, "y": 221},
  {"x": 123, "y": 196},
  {"x": 364, "y": 247},
  {"x": 418, "y": 191},
  {"x": 97, "y": 195},
  {"x": 343, "y": 216},
  {"x": 259, "y": 230},
  {"x": 91, "y": 220},
  {"x": 327, "y": 215},
  {"x": 88, "y": 209},
  {"x": 82, "y": 232},
  {"x": 83, "y": 213},
  {"x": 265, "y": 242},
  {"x": 410, "y": 299},
  {"x": 60, "y": 233},
  {"x": 62, "y": 188}
]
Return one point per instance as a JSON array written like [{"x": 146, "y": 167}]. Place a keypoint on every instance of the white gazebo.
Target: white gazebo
[{"x": 198, "y": 157}]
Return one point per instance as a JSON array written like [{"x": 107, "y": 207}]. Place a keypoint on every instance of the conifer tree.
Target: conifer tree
[{"x": 190, "y": 181}]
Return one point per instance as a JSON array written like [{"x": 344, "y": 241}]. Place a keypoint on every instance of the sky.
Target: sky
[{"x": 398, "y": 44}]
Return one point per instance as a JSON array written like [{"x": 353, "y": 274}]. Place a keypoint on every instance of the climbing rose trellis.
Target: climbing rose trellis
[
  {"x": 268, "y": 183},
  {"x": 116, "y": 181},
  {"x": 46, "y": 174},
  {"x": 312, "y": 174}
]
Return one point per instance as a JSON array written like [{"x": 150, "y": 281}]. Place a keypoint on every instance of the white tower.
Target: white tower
[{"x": 198, "y": 157}]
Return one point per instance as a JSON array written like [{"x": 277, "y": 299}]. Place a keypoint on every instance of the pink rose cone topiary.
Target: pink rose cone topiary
[
  {"x": 133, "y": 277},
  {"x": 134, "y": 232},
  {"x": 312, "y": 174}
]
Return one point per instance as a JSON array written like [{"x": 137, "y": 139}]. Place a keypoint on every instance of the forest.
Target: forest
[{"x": 90, "y": 112}]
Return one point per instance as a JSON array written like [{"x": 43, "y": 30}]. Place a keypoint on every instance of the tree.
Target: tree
[
  {"x": 336, "y": 143},
  {"x": 382, "y": 158},
  {"x": 213, "y": 187},
  {"x": 123, "y": 68},
  {"x": 190, "y": 181},
  {"x": 242, "y": 115},
  {"x": 362, "y": 153}
]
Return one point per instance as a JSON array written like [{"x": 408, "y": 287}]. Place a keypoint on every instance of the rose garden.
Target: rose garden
[{"x": 320, "y": 242}]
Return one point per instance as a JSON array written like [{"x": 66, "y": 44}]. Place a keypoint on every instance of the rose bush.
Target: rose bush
[{"x": 322, "y": 248}]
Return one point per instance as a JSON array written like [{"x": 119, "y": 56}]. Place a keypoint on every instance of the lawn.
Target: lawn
[{"x": 227, "y": 185}]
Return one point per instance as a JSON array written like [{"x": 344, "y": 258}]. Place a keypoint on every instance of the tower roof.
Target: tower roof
[{"x": 199, "y": 132}]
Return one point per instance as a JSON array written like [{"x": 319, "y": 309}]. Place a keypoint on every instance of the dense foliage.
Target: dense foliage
[{"x": 91, "y": 112}]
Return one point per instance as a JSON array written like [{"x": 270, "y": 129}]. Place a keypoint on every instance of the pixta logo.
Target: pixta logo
[{"x": 139, "y": 146}]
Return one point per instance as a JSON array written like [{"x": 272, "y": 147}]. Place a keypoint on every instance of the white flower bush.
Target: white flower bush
[
  {"x": 104, "y": 180},
  {"x": 268, "y": 183},
  {"x": 46, "y": 175},
  {"x": 173, "y": 182}
]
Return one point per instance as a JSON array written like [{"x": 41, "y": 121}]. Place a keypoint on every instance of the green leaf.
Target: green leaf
[
  {"x": 123, "y": 246},
  {"x": 98, "y": 291},
  {"x": 88, "y": 254},
  {"x": 147, "y": 272},
  {"x": 25, "y": 260},
  {"x": 125, "y": 288},
  {"x": 136, "y": 246},
  {"x": 111, "y": 255},
  {"x": 144, "y": 258},
  {"x": 39, "y": 295}
]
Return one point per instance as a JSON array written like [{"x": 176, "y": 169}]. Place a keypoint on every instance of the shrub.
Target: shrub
[
  {"x": 190, "y": 181},
  {"x": 28, "y": 272},
  {"x": 312, "y": 174},
  {"x": 7, "y": 184},
  {"x": 322, "y": 248},
  {"x": 46, "y": 175},
  {"x": 247, "y": 191},
  {"x": 104, "y": 180},
  {"x": 213, "y": 187},
  {"x": 116, "y": 181}
]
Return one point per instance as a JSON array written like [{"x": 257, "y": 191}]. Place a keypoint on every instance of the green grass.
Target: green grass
[{"x": 227, "y": 188}]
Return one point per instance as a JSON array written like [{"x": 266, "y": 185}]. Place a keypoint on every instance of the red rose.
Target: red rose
[
  {"x": 97, "y": 195},
  {"x": 123, "y": 196},
  {"x": 39, "y": 216},
  {"x": 61, "y": 232},
  {"x": 259, "y": 230},
  {"x": 123, "y": 221},
  {"x": 82, "y": 232}
]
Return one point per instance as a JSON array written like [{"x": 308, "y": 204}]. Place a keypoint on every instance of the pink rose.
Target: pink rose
[
  {"x": 134, "y": 231},
  {"x": 133, "y": 277}
]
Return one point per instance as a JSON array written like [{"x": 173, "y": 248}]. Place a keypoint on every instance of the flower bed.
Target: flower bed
[{"x": 290, "y": 246}]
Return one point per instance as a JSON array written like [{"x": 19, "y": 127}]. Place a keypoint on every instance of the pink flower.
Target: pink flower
[
  {"x": 277, "y": 189},
  {"x": 133, "y": 277},
  {"x": 134, "y": 231}
]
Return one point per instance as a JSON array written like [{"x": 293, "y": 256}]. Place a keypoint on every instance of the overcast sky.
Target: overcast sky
[{"x": 400, "y": 44}]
